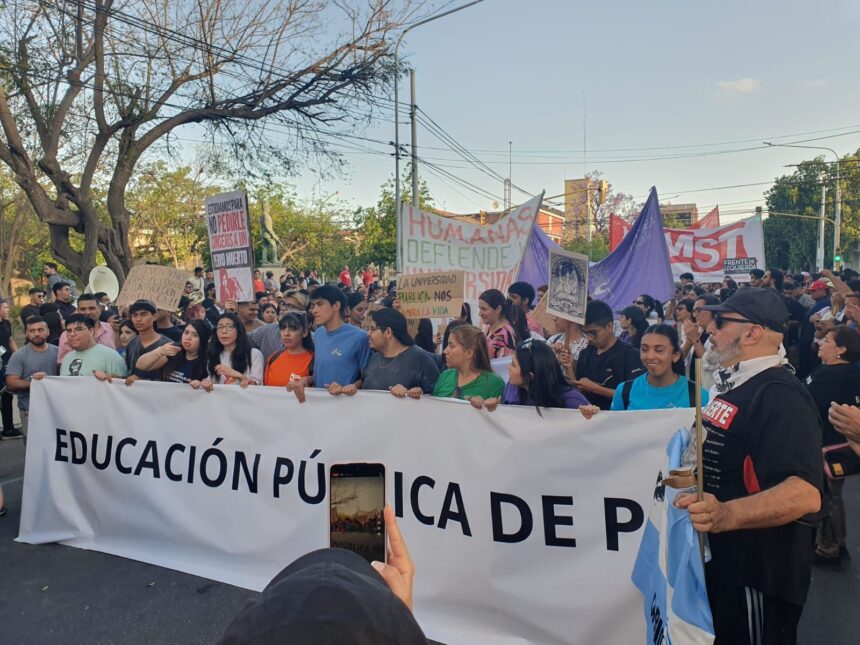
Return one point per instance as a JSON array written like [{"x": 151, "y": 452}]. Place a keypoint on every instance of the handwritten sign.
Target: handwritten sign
[
  {"x": 490, "y": 255},
  {"x": 431, "y": 295},
  {"x": 230, "y": 246},
  {"x": 162, "y": 285}
]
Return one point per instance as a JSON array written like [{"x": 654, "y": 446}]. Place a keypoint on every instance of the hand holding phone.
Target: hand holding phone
[{"x": 356, "y": 504}]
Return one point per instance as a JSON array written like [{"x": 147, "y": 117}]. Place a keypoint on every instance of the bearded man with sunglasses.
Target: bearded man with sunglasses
[{"x": 762, "y": 473}]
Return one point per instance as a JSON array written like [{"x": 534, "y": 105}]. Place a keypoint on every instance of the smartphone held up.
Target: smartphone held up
[{"x": 356, "y": 504}]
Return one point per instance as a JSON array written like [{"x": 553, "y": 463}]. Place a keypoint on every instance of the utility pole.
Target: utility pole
[
  {"x": 397, "y": 116},
  {"x": 837, "y": 218},
  {"x": 819, "y": 255},
  {"x": 414, "y": 141},
  {"x": 588, "y": 212}
]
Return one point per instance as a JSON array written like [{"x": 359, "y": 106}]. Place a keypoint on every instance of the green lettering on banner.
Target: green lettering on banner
[{"x": 411, "y": 251}]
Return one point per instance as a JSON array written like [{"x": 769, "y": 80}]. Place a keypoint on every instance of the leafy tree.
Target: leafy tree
[
  {"x": 376, "y": 227},
  {"x": 21, "y": 236},
  {"x": 89, "y": 88},
  {"x": 614, "y": 203},
  {"x": 166, "y": 214},
  {"x": 596, "y": 251},
  {"x": 791, "y": 242}
]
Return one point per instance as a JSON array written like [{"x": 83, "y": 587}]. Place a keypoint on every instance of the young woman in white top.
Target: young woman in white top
[{"x": 231, "y": 358}]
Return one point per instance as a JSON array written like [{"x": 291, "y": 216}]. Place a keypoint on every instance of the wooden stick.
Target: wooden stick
[{"x": 700, "y": 471}]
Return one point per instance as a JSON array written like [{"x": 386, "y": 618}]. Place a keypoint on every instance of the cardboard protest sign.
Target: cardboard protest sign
[
  {"x": 230, "y": 246},
  {"x": 567, "y": 292},
  {"x": 544, "y": 319},
  {"x": 431, "y": 295},
  {"x": 162, "y": 285}
]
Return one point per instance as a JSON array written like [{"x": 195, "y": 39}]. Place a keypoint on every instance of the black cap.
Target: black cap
[
  {"x": 142, "y": 305},
  {"x": 763, "y": 307},
  {"x": 325, "y": 597}
]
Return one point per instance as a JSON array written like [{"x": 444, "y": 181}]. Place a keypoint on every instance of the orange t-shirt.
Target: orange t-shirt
[{"x": 286, "y": 367}]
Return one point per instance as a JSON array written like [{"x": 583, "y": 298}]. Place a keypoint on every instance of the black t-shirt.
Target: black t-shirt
[
  {"x": 758, "y": 435},
  {"x": 838, "y": 383},
  {"x": 66, "y": 309},
  {"x": 136, "y": 349},
  {"x": 182, "y": 373},
  {"x": 27, "y": 311},
  {"x": 5, "y": 338},
  {"x": 796, "y": 313},
  {"x": 174, "y": 332},
  {"x": 610, "y": 369}
]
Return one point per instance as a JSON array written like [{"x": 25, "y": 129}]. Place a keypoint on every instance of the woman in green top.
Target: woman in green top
[{"x": 469, "y": 373}]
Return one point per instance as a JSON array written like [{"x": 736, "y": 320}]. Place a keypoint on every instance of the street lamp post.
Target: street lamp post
[
  {"x": 397, "y": 120},
  {"x": 837, "y": 217}
]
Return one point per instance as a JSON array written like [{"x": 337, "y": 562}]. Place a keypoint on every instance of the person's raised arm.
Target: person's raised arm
[{"x": 157, "y": 358}]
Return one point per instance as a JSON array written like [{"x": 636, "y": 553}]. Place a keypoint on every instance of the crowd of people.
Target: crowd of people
[{"x": 779, "y": 356}]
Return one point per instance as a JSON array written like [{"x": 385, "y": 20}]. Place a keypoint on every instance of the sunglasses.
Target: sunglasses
[
  {"x": 721, "y": 320},
  {"x": 639, "y": 302}
]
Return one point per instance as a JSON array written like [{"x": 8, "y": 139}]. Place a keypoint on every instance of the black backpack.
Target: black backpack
[{"x": 628, "y": 385}]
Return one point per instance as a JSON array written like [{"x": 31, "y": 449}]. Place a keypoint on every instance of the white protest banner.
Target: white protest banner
[
  {"x": 567, "y": 291},
  {"x": 230, "y": 246},
  {"x": 712, "y": 253},
  {"x": 490, "y": 256},
  {"x": 431, "y": 295},
  {"x": 523, "y": 528},
  {"x": 162, "y": 285}
]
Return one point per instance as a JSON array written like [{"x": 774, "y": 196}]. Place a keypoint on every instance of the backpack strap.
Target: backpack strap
[
  {"x": 275, "y": 357},
  {"x": 625, "y": 393},
  {"x": 691, "y": 389}
]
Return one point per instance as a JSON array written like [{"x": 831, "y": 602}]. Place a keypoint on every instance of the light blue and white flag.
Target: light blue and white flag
[{"x": 669, "y": 572}]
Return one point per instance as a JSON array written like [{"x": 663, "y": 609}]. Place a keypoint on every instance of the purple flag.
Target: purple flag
[
  {"x": 534, "y": 268},
  {"x": 638, "y": 266}
]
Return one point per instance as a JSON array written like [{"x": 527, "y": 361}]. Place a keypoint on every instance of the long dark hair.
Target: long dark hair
[
  {"x": 672, "y": 335},
  {"x": 199, "y": 369},
  {"x": 451, "y": 327},
  {"x": 424, "y": 337},
  {"x": 55, "y": 325},
  {"x": 240, "y": 359},
  {"x": 466, "y": 313},
  {"x": 543, "y": 377},
  {"x": 298, "y": 321},
  {"x": 652, "y": 305},
  {"x": 637, "y": 317},
  {"x": 513, "y": 314}
]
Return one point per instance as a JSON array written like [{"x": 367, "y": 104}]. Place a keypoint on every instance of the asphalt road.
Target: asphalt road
[{"x": 57, "y": 594}]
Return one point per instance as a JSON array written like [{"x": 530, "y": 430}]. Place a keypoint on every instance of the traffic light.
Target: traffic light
[{"x": 838, "y": 256}]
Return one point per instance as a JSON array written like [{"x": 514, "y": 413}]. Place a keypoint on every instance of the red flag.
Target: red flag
[
  {"x": 618, "y": 228},
  {"x": 711, "y": 220}
]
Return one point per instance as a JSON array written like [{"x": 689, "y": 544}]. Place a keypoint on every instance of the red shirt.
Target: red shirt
[{"x": 345, "y": 278}]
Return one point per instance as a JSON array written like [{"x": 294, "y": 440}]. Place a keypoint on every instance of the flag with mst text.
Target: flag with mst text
[{"x": 669, "y": 571}]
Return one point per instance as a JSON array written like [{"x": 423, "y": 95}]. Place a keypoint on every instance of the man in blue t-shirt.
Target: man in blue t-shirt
[{"x": 341, "y": 351}]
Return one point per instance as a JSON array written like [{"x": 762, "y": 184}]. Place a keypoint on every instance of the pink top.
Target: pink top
[
  {"x": 104, "y": 336},
  {"x": 502, "y": 341}
]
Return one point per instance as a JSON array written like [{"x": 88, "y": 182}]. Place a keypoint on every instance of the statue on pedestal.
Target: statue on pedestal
[{"x": 270, "y": 254}]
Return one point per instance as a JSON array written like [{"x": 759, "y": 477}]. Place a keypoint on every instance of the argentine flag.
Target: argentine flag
[{"x": 669, "y": 572}]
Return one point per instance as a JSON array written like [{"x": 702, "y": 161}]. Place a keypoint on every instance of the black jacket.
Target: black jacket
[{"x": 838, "y": 383}]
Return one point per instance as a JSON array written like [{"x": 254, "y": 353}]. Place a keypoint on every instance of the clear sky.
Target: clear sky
[{"x": 661, "y": 79}]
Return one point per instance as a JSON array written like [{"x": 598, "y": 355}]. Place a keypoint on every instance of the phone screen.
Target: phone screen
[{"x": 357, "y": 499}]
